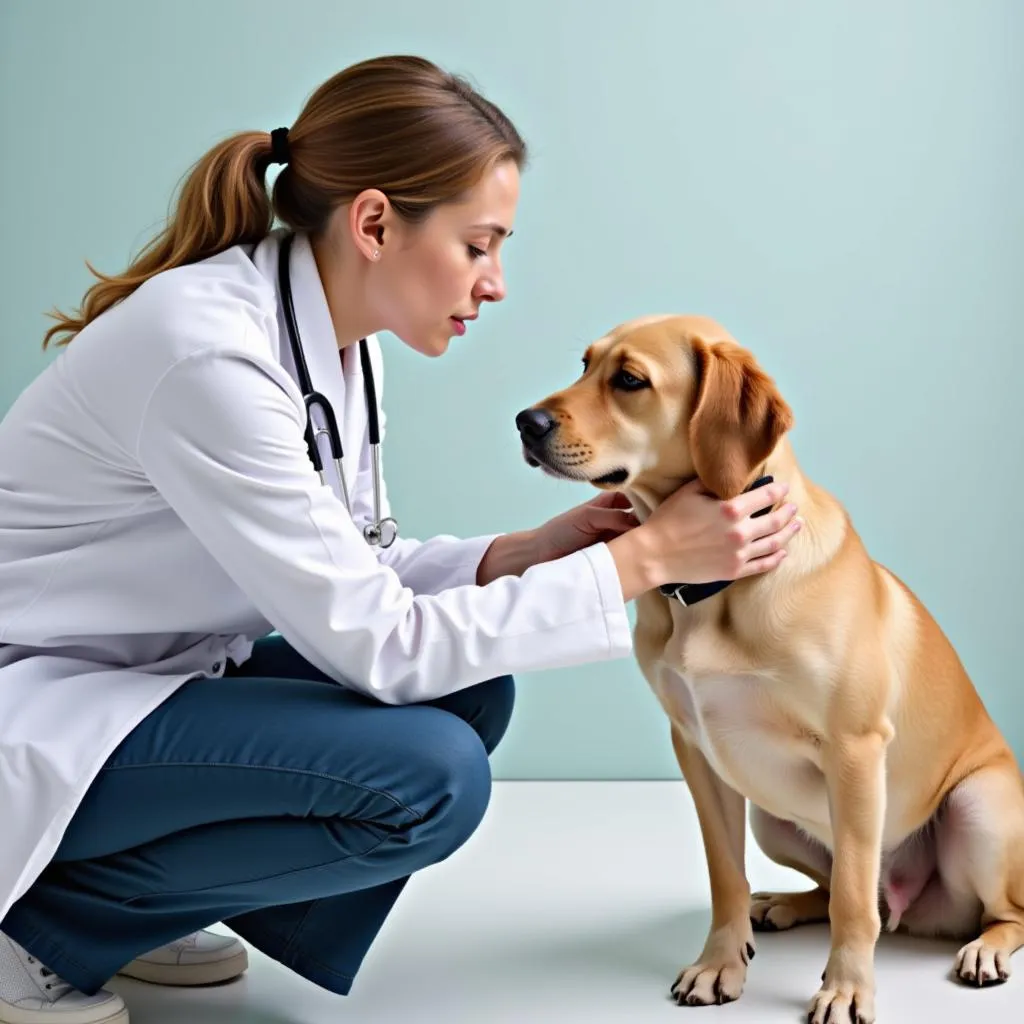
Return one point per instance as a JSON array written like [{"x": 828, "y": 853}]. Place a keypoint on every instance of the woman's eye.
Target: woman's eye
[
  {"x": 475, "y": 252},
  {"x": 626, "y": 381}
]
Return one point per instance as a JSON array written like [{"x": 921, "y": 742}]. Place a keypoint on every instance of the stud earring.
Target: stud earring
[{"x": 376, "y": 254}]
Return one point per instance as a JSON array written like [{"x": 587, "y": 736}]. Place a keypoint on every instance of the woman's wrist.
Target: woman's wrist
[
  {"x": 636, "y": 562},
  {"x": 510, "y": 554},
  {"x": 634, "y": 553}
]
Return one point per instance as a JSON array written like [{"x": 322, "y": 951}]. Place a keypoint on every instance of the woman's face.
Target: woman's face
[{"x": 430, "y": 279}]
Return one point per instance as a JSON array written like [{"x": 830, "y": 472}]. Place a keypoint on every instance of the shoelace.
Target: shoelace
[{"x": 59, "y": 987}]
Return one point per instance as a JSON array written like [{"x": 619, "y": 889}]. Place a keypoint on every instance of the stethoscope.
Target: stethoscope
[{"x": 379, "y": 532}]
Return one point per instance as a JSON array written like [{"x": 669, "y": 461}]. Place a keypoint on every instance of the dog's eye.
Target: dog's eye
[{"x": 626, "y": 381}]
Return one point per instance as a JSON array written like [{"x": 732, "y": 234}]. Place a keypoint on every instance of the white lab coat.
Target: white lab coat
[{"x": 159, "y": 513}]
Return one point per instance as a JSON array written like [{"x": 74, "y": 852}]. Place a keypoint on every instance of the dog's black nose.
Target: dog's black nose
[{"x": 534, "y": 424}]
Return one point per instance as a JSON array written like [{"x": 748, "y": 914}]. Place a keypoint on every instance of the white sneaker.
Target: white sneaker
[
  {"x": 32, "y": 994},
  {"x": 202, "y": 958}
]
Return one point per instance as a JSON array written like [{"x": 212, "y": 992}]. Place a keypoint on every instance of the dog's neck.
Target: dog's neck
[
  {"x": 781, "y": 465},
  {"x": 824, "y": 523}
]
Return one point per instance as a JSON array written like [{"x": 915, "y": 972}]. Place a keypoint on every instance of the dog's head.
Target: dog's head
[{"x": 660, "y": 400}]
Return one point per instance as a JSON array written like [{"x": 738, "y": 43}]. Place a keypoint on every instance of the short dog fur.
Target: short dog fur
[{"x": 822, "y": 692}]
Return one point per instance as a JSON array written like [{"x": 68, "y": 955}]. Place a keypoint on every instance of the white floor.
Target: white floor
[{"x": 574, "y": 902}]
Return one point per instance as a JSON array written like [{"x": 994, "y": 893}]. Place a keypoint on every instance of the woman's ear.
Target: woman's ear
[
  {"x": 738, "y": 417},
  {"x": 368, "y": 216}
]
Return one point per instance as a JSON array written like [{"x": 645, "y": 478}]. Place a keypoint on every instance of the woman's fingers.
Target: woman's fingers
[
  {"x": 616, "y": 519},
  {"x": 765, "y": 564},
  {"x": 770, "y": 546},
  {"x": 745, "y": 505},
  {"x": 766, "y": 526}
]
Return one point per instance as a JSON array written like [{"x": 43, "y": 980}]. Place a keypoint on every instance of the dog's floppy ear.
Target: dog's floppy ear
[{"x": 738, "y": 417}]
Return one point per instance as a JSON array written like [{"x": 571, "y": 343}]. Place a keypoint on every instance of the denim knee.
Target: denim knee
[
  {"x": 459, "y": 772},
  {"x": 498, "y": 698}
]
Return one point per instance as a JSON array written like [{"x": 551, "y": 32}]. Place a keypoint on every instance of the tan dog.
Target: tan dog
[{"x": 822, "y": 691}]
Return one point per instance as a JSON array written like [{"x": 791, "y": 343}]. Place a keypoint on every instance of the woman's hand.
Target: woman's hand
[
  {"x": 694, "y": 537},
  {"x": 601, "y": 519},
  {"x": 704, "y": 539}
]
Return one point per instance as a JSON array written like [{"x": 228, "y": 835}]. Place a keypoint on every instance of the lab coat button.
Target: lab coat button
[{"x": 218, "y": 665}]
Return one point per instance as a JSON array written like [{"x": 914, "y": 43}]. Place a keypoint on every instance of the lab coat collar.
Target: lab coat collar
[{"x": 311, "y": 311}]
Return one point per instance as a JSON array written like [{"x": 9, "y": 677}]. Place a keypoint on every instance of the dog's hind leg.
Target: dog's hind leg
[
  {"x": 980, "y": 852},
  {"x": 785, "y": 844}
]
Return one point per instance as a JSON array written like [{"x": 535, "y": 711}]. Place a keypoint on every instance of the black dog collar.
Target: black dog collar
[{"x": 690, "y": 593}]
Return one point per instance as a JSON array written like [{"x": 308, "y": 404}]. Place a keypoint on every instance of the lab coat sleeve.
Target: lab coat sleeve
[
  {"x": 222, "y": 441},
  {"x": 435, "y": 564}
]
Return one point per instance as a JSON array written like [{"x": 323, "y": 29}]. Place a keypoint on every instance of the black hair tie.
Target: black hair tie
[{"x": 279, "y": 153}]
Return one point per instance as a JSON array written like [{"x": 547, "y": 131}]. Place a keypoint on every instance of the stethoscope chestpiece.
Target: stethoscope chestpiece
[{"x": 381, "y": 534}]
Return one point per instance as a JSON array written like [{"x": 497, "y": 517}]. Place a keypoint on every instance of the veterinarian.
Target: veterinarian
[{"x": 222, "y": 697}]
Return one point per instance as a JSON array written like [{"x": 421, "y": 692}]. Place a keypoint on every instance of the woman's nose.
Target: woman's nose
[{"x": 492, "y": 287}]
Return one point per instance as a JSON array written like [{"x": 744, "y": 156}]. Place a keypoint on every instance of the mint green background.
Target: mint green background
[{"x": 840, "y": 183}]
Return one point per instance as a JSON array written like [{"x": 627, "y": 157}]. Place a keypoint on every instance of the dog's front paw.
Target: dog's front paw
[
  {"x": 718, "y": 976},
  {"x": 845, "y": 997}
]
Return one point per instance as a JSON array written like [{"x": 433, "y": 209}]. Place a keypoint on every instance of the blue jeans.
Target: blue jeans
[{"x": 273, "y": 800}]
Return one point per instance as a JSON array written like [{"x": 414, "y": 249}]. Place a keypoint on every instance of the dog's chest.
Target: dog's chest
[{"x": 742, "y": 729}]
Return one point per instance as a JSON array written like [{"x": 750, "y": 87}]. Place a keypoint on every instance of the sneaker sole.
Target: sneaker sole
[
  {"x": 13, "y": 1015},
  {"x": 209, "y": 973}
]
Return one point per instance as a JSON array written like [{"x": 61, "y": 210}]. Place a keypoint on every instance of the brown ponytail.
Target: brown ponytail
[
  {"x": 223, "y": 202},
  {"x": 399, "y": 124}
]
